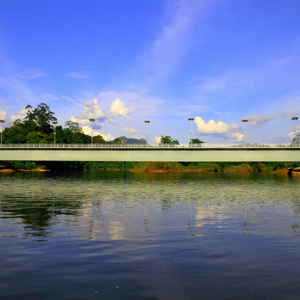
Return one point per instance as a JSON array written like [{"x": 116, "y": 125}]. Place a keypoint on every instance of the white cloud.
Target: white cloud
[
  {"x": 157, "y": 139},
  {"x": 130, "y": 130},
  {"x": 221, "y": 129},
  {"x": 91, "y": 110},
  {"x": 49, "y": 97},
  {"x": 88, "y": 130},
  {"x": 144, "y": 105},
  {"x": 235, "y": 136},
  {"x": 292, "y": 134},
  {"x": 2, "y": 114},
  {"x": 258, "y": 120},
  {"x": 18, "y": 115},
  {"x": 31, "y": 74},
  {"x": 212, "y": 127},
  {"x": 78, "y": 75},
  {"x": 108, "y": 137},
  {"x": 118, "y": 109},
  {"x": 168, "y": 48},
  {"x": 290, "y": 113}
]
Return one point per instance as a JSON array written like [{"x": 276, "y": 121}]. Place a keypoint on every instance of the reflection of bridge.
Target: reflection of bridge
[{"x": 180, "y": 153}]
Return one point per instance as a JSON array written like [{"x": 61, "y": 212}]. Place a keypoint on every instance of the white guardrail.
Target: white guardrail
[{"x": 142, "y": 146}]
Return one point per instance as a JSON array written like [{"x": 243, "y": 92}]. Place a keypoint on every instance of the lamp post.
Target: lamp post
[
  {"x": 245, "y": 121},
  {"x": 295, "y": 119},
  {"x": 92, "y": 120},
  {"x": 147, "y": 122},
  {"x": 1, "y": 121},
  {"x": 55, "y": 122},
  {"x": 191, "y": 119}
]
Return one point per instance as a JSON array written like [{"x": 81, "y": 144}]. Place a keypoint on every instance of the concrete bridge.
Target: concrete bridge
[{"x": 167, "y": 153}]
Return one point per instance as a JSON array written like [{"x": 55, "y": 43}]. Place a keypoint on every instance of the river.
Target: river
[{"x": 122, "y": 235}]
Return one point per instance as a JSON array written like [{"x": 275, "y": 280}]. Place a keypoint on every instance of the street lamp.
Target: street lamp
[
  {"x": 245, "y": 121},
  {"x": 295, "y": 119},
  {"x": 147, "y": 122},
  {"x": 55, "y": 122},
  {"x": 92, "y": 120},
  {"x": 191, "y": 119},
  {"x": 1, "y": 121}
]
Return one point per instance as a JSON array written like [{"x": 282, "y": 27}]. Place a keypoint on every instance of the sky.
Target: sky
[{"x": 122, "y": 62}]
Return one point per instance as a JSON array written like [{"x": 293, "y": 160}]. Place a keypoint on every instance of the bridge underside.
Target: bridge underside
[{"x": 167, "y": 155}]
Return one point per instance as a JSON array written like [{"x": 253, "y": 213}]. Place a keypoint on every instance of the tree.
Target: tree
[
  {"x": 17, "y": 122},
  {"x": 118, "y": 141},
  {"x": 98, "y": 139},
  {"x": 14, "y": 135},
  {"x": 296, "y": 140},
  {"x": 196, "y": 141},
  {"x": 36, "y": 138},
  {"x": 168, "y": 140},
  {"x": 73, "y": 126},
  {"x": 39, "y": 119}
]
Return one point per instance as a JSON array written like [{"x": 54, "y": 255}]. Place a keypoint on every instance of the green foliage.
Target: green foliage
[
  {"x": 117, "y": 141},
  {"x": 40, "y": 118},
  {"x": 36, "y": 138},
  {"x": 98, "y": 139},
  {"x": 296, "y": 140},
  {"x": 196, "y": 141},
  {"x": 73, "y": 127},
  {"x": 168, "y": 140},
  {"x": 14, "y": 135},
  {"x": 25, "y": 165}
]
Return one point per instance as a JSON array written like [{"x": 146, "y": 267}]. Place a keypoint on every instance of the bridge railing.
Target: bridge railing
[{"x": 143, "y": 146}]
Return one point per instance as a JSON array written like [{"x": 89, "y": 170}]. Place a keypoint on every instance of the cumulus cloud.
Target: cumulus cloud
[
  {"x": 227, "y": 131},
  {"x": 212, "y": 127},
  {"x": 258, "y": 120},
  {"x": 118, "y": 109},
  {"x": 88, "y": 130},
  {"x": 235, "y": 136},
  {"x": 130, "y": 130},
  {"x": 143, "y": 104},
  {"x": 19, "y": 115},
  {"x": 292, "y": 134},
  {"x": 108, "y": 137},
  {"x": 2, "y": 114},
  {"x": 91, "y": 110},
  {"x": 157, "y": 139},
  {"x": 78, "y": 75}
]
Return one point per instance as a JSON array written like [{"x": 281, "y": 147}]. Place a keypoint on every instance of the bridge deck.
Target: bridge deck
[{"x": 199, "y": 154}]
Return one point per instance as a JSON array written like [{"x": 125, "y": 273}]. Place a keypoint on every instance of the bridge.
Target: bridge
[{"x": 166, "y": 153}]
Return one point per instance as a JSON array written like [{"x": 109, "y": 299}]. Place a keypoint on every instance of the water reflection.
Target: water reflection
[
  {"x": 40, "y": 200},
  {"x": 149, "y": 236}
]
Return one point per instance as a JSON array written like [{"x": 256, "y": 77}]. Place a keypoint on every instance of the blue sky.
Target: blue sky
[{"x": 123, "y": 62}]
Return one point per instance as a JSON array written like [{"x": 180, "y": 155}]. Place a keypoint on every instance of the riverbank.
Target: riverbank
[{"x": 150, "y": 167}]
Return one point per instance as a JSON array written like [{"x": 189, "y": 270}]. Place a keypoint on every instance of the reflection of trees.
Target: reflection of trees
[
  {"x": 296, "y": 207},
  {"x": 245, "y": 225},
  {"x": 37, "y": 214}
]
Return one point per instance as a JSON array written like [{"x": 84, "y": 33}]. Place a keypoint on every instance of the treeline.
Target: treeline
[
  {"x": 154, "y": 166},
  {"x": 38, "y": 127}
]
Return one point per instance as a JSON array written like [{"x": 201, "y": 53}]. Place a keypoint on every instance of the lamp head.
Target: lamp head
[{"x": 294, "y": 118}]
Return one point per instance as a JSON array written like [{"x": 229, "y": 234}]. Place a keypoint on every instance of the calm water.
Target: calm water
[{"x": 118, "y": 235}]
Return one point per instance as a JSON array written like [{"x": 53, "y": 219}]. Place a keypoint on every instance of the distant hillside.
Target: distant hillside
[{"x": 126, "y": 140}]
